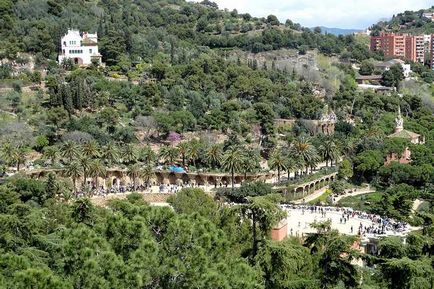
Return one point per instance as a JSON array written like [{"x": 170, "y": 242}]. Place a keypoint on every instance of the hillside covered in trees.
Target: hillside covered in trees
[
  {"x": 189, "y": 85},
  {"x": 138, "y": 30},
  {"x": 408, "y": 21}
]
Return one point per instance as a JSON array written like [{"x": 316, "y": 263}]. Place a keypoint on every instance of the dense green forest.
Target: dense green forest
[
  {"x": 129, "y": 244},
  {"x": 139, "y": 30}
]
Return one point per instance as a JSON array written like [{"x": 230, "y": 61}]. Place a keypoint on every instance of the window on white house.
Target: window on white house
[{"x": 90, "y": 50}]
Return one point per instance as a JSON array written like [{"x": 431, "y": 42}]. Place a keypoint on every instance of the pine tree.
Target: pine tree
[{"x": 51, "y": 186}]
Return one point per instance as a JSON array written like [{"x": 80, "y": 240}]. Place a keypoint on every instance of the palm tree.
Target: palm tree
[
  {"x": 129, "y": 154},
  {"x": 135, "y": 172},
  {"x": 250, "y": 162},
  {"x": 148, "y": 173},
  {"x": 6, "y": 153},
  {"x": 313, "y": 160},
  {"x": 277, "y": 162},
  {"x": 74, "y": 171},
  {"x": 194, "y": 151},
  {"x": 97, "y": 170},
  {"x": 69, "y": 151},
  {"x": 147, "y": 155},
  {"x": 52, "y": 153},
  {"x": 91, "y": 149},
  {"x": 85, "y": 166},
  {"x": 183, "y": 149},
  {"x": 110, "y": 153},
  {"x": 213, "y": 155},
  {"x": 290, "y": 165},
  {"x": 302, "y": 148},
  {"x": 18, "y": 157},
  {"x": 328, "y": 151},
  {"x": 232, "y": 161},
  {"x": 169, "y": 154}
]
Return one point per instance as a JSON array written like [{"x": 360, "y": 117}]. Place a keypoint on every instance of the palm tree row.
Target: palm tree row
[
  {"x": 301, "y": 156},
  {"x": 14, "y": 156}
]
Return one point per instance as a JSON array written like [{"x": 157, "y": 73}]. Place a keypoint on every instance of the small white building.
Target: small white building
[
  {"x": 82, "y": 48},
  {"x": 406, "y": 68},
  {"x": 428, "y": 15}
]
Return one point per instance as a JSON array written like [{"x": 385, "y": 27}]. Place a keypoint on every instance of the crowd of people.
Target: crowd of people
[
  {"x": 122, "y": 189},
  {"x": 378, "y": 225}
]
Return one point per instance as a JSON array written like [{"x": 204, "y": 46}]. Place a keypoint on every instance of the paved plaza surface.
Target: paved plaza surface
[{"x": 300, "y": 218}]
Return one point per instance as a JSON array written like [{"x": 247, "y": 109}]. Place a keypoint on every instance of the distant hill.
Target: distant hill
[
  {"x": 408, "y": 21},
  {"x": 338, "y": 31}
]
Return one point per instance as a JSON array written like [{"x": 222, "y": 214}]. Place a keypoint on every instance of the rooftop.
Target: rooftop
[{"x": 405, "y": 134}]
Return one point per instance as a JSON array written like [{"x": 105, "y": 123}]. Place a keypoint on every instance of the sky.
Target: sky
[{"x": 357, "y": 14}]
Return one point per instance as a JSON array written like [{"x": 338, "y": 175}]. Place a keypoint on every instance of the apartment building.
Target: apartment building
[
  {"x": 432, "y": 52},
  {"x": 400, "y": 45}
]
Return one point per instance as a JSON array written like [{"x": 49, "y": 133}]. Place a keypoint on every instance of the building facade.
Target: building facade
[
  {"x": 403, "y": 46},
  {"x": 400, "y": 132},
  {"x": 432, "y": 52},
  {"x": 82, "y": 48},
  {"x": 429, "y": 15}
]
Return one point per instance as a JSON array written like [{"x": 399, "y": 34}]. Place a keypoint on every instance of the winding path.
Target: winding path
[{"x": 351, "y": 193}]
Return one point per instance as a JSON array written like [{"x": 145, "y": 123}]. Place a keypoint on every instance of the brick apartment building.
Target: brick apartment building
[
  {"x": 400, "y": 45},
  {"x": 432, "y": 51}
]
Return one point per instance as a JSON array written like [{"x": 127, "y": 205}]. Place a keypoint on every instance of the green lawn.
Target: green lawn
[
  {"x": 361, "y": 202},
  {"x": 322, "y": 198}
]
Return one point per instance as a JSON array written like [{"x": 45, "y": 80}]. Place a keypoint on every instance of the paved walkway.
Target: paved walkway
[
  {"x": 352, "y": 193},
  {"x": 416, "y": 205},
  {"x": 299, "y": 221},
  {"x": 312, "y": 196}
]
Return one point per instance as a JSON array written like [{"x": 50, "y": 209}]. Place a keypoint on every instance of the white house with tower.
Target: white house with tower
[{"x": 82, "y": 48}]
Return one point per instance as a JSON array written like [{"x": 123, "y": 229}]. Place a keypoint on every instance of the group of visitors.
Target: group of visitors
[
  {"x": 378, "y": 225},
  {"x": 122, "y": 189}
]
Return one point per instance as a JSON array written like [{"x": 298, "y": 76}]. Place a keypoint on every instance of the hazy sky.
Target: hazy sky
[{"x": 330, "y": 13}]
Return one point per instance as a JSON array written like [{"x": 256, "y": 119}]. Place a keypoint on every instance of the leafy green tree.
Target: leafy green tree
[
  {"x": 286, "y": 264},
  {"x": 248, "y": 189},
  {"x": 345, "y": 170},
  {"x": 263, "y": 213},
  {"x": 407, "y": 274},
  {"x": 367, "y": 163},
  {"x": 335, "y": 255},
  {"x": 194, "y": 201},
  {"x": 366, "y": 68},
  {"x": 391, "y": 247},
  {"x": 51, "y": 186},
  {"x": 33, "y": 278},
  {"x": 83, "y": 210}
]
